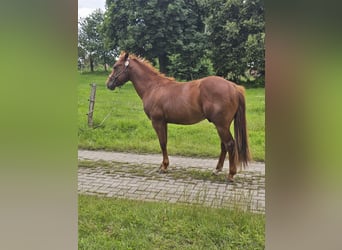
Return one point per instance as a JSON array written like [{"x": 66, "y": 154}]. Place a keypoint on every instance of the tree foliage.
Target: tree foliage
[
  {"x": 91, "y": 39},
  {"x": 157, "y": 29},
  {"x": 236, "y": 33},
  {"x": 236, "y": 36},
  {"x": 185, "y": 39}
]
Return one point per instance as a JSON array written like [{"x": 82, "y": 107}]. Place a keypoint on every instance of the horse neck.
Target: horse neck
[{"x": 143, "y": 78}]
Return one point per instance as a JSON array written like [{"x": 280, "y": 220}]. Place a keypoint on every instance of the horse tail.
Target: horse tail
[{"x": 240, "y": 129}]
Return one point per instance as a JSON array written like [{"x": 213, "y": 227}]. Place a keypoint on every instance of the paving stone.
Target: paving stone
[{"x": 248, "y": 192}]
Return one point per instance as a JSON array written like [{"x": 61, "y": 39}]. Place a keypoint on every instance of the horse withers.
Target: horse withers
[{"x": 167, "y": 101}]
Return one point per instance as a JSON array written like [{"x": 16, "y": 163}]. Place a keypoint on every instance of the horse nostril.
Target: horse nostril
[{"x": 110, "y": 85}]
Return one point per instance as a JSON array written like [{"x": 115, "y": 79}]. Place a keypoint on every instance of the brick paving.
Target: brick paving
[{"x": 135, "y": 177}]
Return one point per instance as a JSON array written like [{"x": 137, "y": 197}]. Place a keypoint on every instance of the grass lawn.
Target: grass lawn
[
  {"x": 124, "y": 224},
  {"x": 128, "y": 129}
]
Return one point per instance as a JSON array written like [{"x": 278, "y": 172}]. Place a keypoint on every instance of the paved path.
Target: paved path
[{"x": 135, "y": 176}]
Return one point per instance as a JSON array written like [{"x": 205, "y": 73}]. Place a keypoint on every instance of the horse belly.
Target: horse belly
[
  {"x": 178, "y": 104},
  {"x": 184, "y": 115},
  {"x": 184, "y": 120}
]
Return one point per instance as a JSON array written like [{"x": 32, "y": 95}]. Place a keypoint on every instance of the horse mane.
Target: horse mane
[{"x": 148, "y": 64}]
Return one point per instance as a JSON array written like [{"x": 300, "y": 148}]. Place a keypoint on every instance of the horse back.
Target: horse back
[{"x": 217, "y": 88}]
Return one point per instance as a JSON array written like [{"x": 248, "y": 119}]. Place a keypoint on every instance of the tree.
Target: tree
[
  {"x": 190, "y": 39},
  {"x": 156, "y": 29},
  {"x": 91, "y": 40},
  {"x": 191, "y": 60},
  {"x": 236, "y": 35}
]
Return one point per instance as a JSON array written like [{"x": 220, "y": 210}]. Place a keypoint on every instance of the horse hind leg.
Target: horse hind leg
[
  {"x": 221, "y": 159},
  {"x": 227, "y": 145},
  {"x": 232, "y": 160}
]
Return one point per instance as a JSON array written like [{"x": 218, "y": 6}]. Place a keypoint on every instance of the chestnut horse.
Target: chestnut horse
[{"x": 168, "y": 101}]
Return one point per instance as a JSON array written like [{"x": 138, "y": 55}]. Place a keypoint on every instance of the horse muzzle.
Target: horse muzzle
[{"x": 111, "y": 84}]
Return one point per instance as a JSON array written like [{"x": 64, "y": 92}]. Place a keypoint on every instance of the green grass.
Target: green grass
[
  {"x": 128, "y": 129},
  {"x": 124, "y": 224}
]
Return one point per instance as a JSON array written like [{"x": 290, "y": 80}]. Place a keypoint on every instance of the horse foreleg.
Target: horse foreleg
[{"x": 161, "y": 129}]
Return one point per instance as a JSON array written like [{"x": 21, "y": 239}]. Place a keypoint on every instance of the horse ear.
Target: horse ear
[{"x": 126, "y": 56}]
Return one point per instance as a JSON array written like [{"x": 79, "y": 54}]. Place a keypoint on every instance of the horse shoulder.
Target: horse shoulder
[{"x": 151, "y": 103}]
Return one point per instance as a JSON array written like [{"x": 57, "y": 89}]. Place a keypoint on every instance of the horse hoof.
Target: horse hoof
[
  {"x": 162, "y": 171},
  {"x": 216, "y": 172},
  {"x": 230, "y": 180}
]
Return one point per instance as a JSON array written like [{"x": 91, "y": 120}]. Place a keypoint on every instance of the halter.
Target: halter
[{"x": 122, "y": 71}]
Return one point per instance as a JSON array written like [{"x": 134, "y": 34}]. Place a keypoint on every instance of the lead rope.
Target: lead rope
[
  {"x": 115, "y": 77},
  {"x": 110, "y": 112},
  {"x": 106, "y": 117}
]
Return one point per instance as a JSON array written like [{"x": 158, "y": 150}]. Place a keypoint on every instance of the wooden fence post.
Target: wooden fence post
[{"x": 91, "y": 104}]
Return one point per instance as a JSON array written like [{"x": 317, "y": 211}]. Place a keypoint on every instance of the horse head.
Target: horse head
[{"x": 119, "y": 75}]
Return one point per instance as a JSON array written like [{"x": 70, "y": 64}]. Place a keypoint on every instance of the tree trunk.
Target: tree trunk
[
  {"x": 163, "y": 63},
  {"x": 91, "y": 62},
  {"x": 105, "y": 62}
]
